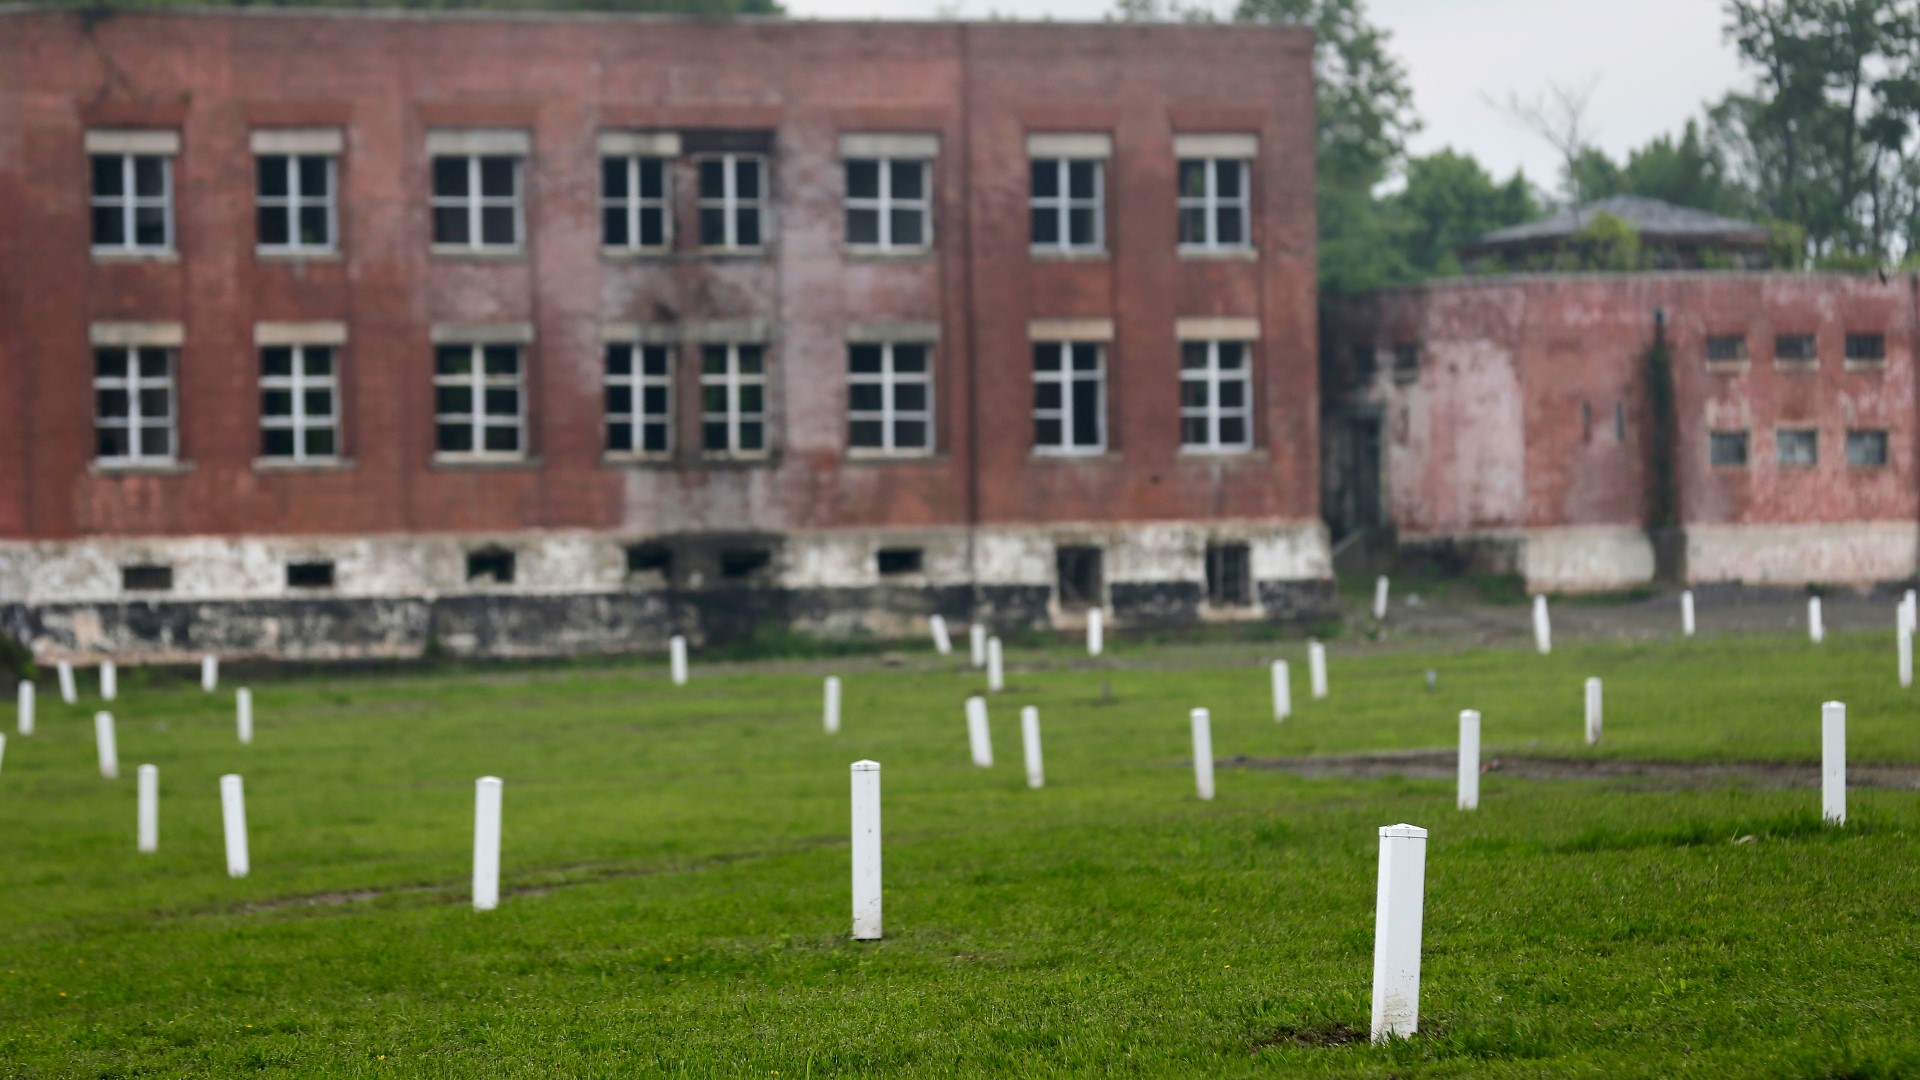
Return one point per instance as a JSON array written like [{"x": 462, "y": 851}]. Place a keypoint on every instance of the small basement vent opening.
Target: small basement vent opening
[
  {"x": 645, "y": 560},
  {"x": 743, "y": 563},
  {"x": 490, "y": 566},
  {"x": 146, "y": 578},
  {"x": 894, "y": 561},
  {"x": 1229, "y": 575},
  {"x": 310, "y": 575},
  {"x": 1080, "y": 577}
]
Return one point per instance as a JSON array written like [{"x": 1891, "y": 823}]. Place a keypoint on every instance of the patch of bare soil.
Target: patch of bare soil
[
  {"x": 1327, "y": 1033},
  {"x": 1631, "y": 775}
]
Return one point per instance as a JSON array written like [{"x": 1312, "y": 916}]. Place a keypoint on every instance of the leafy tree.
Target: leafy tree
[
  {"x": 1689, "y": 171},
  {"x": 1449, "y": 199},
  {"x": 715, "y": 8},
  {"x": 1607, "y": 242}
]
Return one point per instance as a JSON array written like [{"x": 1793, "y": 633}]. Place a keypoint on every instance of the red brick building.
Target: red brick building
[
  {"x": 330, "y": 333},
  {"x": 1514, "y": 421}
]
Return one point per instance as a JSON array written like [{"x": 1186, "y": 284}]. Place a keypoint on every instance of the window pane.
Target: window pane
[
  {"x": 1193, "y": 431},
  {"x": 317, "y": 404},
  {"x": 450, "y": 176},
  {"x": 1046, "y": 432},
  {"x": 109, "y": 226},
  {"x": 746, "y": 179},
  {"x": 503, "y": 440},
  {"x": 713, "y": 436},
  {"x": 276, "y": 442},
  {"x": 149, "y": 176},
  {"x": 273, "y": 175},
  {"x": 449, "y": 224},
  {"x": 863, "y": 179},
  {"x": 1080, "y": 227},
  {"x": 751, "y": 358},
  {"x": 1229, "y": 174},
  {"x": 752, "y": 398},
  {"x": 1193, "y": 179},
  {"x": 503, "y": 359},
  {"x": 1232, "y": 354},
  {"x": 619, "y": 359},
  {"x": 863, "y": 226},
  {"x": 653, "y": 359},
  {"x": 276, "y": 403},
  {"x": 653, "y": 178},
  {"x": 313, "y": 177},
  {"x": 655, "y": 439},
  {"x": 1086, "y": 413},
  {"x": 1082, "y": 179},
  {"x": 1086, "y": 356},
  {"x": 153, "y": 363},
  {"x": 713, "y": 227},
  {"x": 909, "y": 179},
  {"x": 498, "y": 226},
  {"x": 863, "y": 359},
  {"x": 910, "y": 434},
  {"x": 452, "y": 359},
  {"x": 619, "y": 438},
  {"x": 155, "y": 442},
  {"x": 653, "y": 227},
  {"x": 155, "y": 404},
  {"x": 109, "y": 177},
  {"x": 909, "y": 358},
  {"x": 1193, "y": 354},
  {"x": 1193, "y": 393},
  {"x": 865, "y": 433},
  {"x": 452, "y": 400},
  {"x": 317, "y": 360},
  {"x": 1193, "y": 225},
  {"x": 907, "y": 231},
  {"x": 613, "y": 178},
  {"x": 110, "y": 404},
  {"x": 110, "y": 363},
  {"x": 314, "y": 230},
  {"x": 1046, "y": 178},
  {"x": 1046, "y": 225},
  {"x": 1046, "y": 395},
  {"x": 1233, "y": 225},
  {"x": 1233, "y": 431},
  {"x": 753, "y": 435},
  {"x": 747, "y": 229},
  {"x": 320, "y": 442},
  {"x": 654, "y": 398},
  {"x": 910, "y": 397},
  {"x": 1047, "y": 357},
  {"x": 713, "y": 399},
  {"x": 619, "y": 399},
  {"x": 713, "y": 359},
  {"x": 1867, "y": 448},
  {"x": 110, "y": 442},
  {"x": 150, "y": 226},
  {"x": 496, "y": 176},
  {"x": 1233, "y": 393},
  {"x": 713, "y": 179},
  {"x": 864, "y": 397},
  {"x": 613, "y": 226},
  {"x": 454, "y": 438}
]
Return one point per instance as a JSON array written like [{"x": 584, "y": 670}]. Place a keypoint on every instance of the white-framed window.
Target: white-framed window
[
  {"x": 1214, "y": 204},
  {"x": 1216, "y": 395},
  {"x": 132, "y": 203},
  {"x": 299, "y": 403},
  {"x": 890, "y": 398},
  {"x": 479, "y": 401},
  {"x": 476, "y": 202},
  {"x": 733, "y": 200},
  {"x": 296, "y": 202},
  {"x": 733, "y": 399},
  {"x": 636, "y": 202},
  {"x": 639, "y": 399},
  {"x": 133, "y": 406},
  {"x": 1069, "y": 204},
  {"x": 889, "y": 203},
  {"x": 1867, "y": 448},
  {"x": 1797, "y": 448},
  {"x": 1727, "y": 448},
  {"x": 1069, "y": 397}
]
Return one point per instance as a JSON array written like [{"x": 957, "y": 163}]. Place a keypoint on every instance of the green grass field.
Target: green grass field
[{"x": 675, "y": 875}]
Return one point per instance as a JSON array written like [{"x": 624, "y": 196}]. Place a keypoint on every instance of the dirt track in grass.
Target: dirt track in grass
[{"x": 1630, "y": 775}]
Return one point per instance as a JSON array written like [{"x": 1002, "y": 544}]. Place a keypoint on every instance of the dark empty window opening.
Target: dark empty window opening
[
  {"x": 490, "y": 566},
  {"x": 901, "y": 561},
  {"x": 1794, "y": 349},
  {"x": 1867, "y": 348},
  {"x": 744, "y": 563},
  {"x": 146, "y": 578},
  {"x": 1079, "y": 570},
  {"x": 1229, "y": 575},
  {"x": 1406, "y": 360},
  {"x": 1727, "y": 349},
  {"x": 644, "y": 559},
  {"x": 310, "y": 575}
]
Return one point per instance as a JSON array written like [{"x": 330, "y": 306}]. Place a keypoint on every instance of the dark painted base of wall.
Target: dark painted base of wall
[{"x": 519, "y": 624}]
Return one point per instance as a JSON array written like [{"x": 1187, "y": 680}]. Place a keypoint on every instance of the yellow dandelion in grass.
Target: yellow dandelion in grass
[{"x": 63, "y": 993}]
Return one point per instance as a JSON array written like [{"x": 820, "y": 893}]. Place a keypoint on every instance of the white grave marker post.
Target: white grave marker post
[
  {"x": 866, "y": 851},
  {"x": 1816, "y": 628},
  {"x": 1593, "y": 711},
  {"x": 147, "y": 820},
  {"x": 1542, "y": 626},
  {"x": 1380, "y": 587},
  {"x": 1030, "y": 743},
  {"x": 1910, "y": 610},
  {"x": 830, "y": 718},
  {"x": 1398, "y": 908},
  {"x": 3, "y": 749},
  {"x": 977, "y": 644},
  {"x": 104, "y": 744},
  {"x": 68, "y": 692},
  {"x": 1469, "y": 759},
  {"x": 996, "y": 674},
  {"x": 979, "y": 738},
  {"x": 209, "y": 673},
  {"x": 1317, "y": 669},
  {"x": 243, "y": 715},
  {"x": 109, "y": 680},
  {"x": 1282, "y": 691},
  {"x": 233, "y": 816},
  {"x": 26, "y": 707},
  {"x": 942, "y": 644},
  {"x": 1203, "y": 753},
  {"x": 677, "y": 659},
  {"x": 1096, "y": 632},
  {"x": 1833, "y": 762},
  {"x": 1686, "y": 613},
  {"x": 1906, "y": 657},
  {"x": 487, "y": 792}
]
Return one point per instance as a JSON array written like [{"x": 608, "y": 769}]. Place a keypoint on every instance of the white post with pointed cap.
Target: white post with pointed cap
[
  {"x": 1905, "y": 644},
  {"x": 103, "y": 744},
  {"x": 1282, "y": 691},
  {"x": 147, "y": 817},
  {"x": 866, "y": 851},
  {"x": 26, "y": 707},
  {"x": 69, "y": 693},
  {"x": 1096, "y": 632},
  {"x": 996, "y": 673},
  {"x": 109, "y": 680},
  {"x": 487, "y": 797},
  {"x": 1833, "y": 762},
  {"x": 1593, "y": 711},
  {"x": 979, "y": 738},
  {"x": 243, "y": 715},
  {"x": 1317, "y": 669},
  {"x": 1542, "y": 626},
  {"x": 1469, "y": 759},
  {"x": 942, "y": 644},
  {"x": 1686, "y": 613},
  {"x": 233, "y": 816},
  {"x": 677, "y": 659},
  {"x": 1203, "y": 753},
  {"x": 1380, "y": 587},
  {"x": 977, "y": 644},
  {"x": 209, "y": 673},
  {"x": 1398, "y": 909},
  {"x": 1030, "y": 743},
  {"x": 1816, "y": 626},
  {"x": 830, "y": 710}
]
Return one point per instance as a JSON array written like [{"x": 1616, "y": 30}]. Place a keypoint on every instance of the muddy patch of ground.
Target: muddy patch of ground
[{"x": 1632, "y": 775}]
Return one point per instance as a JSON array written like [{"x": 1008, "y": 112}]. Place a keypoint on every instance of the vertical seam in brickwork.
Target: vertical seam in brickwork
[{"x": 971, "y": 329}]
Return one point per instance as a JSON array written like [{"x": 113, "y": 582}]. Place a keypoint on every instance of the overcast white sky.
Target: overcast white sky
[{"x": 1657, "y": 61}]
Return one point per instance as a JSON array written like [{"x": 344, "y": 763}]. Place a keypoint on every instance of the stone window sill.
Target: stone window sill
[
  {"x": 137, "y": 468},
  {"x": 289, "y": 465},
  {"x": 1726, "y": 367},
  {"x": 634, "y": 254},
  {"x": 636, "y": 461},
  {"x": 1797, "y": 367},
  {"x": 1069, "y": 255},
  {"x": 463, "y": 253},
  {"x": 1871, "y": 367},
  {"x": 1219, "y": 254},
  {"x": 898, "y": 457},
  {"x": 118, "y": 255},
  {"x": 860, "y": 254},
  {"x": 1044, "y": 457},
  {"x": 292, "y": 255},
  {"x": 442, "y": 461},
  {"x": 1244, "y": 453}
]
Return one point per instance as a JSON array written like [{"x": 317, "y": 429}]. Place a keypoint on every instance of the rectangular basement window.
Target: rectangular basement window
[
  {"x": 643, "y": 559},
  {"x": 1229, "y": 575},
  {"x": 1728, "y": 448},
  {"x": 310, "y": 575},
  {"x": 1795, "y": 350},
  {"x": 1796, "y": 448},
  {"x": 490, "y": 566},
  {"x": 901, "y": 561},
  {"x": 1079, "y": 577},
  {"x": 146, "y": 577},
  {"x": 1727, "y": 349},
  {"x": 743, "y": 563},
  {"x": 1867, "y": 449},
  {"x": 1866, "y": 350}
]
